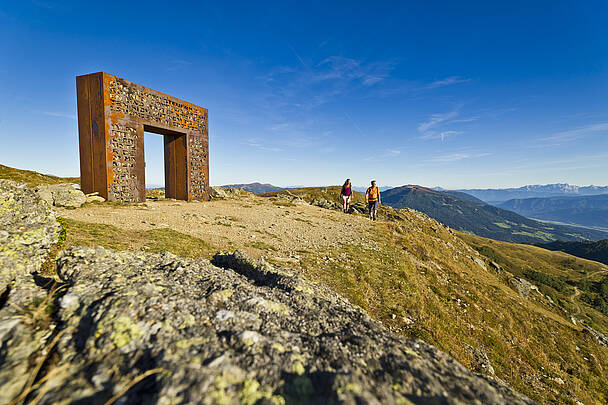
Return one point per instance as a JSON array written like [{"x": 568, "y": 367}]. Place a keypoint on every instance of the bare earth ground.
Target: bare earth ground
[{"x": 260, "y": 226}]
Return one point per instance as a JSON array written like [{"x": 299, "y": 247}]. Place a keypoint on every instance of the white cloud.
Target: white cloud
[
  {"x": 440, "y": 135},
  {"x": 574, "y": 134},
  {"x": 61, "y": 115},
  {"x": 177, "y": 64},
  {"x": 388, "y": 153},
  {"x": 461, "y": 120},
  {"x": 257, "y": 144},
  {"x": 436, "y": 119},
  {"x": 280, "y": 127},
  {"x": 454, "y": 157},
  {"x": 447, "y": 81},
  {"x": 349, "y": 69}
]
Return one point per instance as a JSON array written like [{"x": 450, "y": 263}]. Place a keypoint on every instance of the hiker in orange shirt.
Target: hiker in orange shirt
[{"x": 372, "y": 196}]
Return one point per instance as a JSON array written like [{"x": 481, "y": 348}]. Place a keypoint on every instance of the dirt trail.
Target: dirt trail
[
  {"x": 577, "y": 292},
  {"x": 244, "y": 223},
  {"x": 573, "y": 297}
]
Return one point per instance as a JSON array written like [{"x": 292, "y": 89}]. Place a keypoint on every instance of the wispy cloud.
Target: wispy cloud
[
  {"x": 280, "y": 127},
  {"x": 357, "y": 127},
  {"x": 349, "y": 69},
  {"x": 382, "y": 156},
  {"x": 575, "y": 134},
  {"x": 177, "y": 64},
  {"x": 447, "y": 81},
  {"x": 59, "y": 114},
  {"x": 297, "y": 55},
  {"x": 463, "y": 120},
  {"x": 307, "y": 85},
  {"x": 454, "y": 157},
  {"x": 436, "y": 119},
  {"x": 440, "y": 135},
  {"x": 258, "y": 144}
]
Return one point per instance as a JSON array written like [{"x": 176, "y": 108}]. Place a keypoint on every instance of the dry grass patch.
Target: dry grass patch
[
  {"x": 419, "y": 280},
  {"x": 154, "y": 240},
  {"x": 33, "y": 179}
]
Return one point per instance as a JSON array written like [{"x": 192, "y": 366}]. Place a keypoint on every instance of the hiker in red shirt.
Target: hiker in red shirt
[
  {"x": 372, "y": 196},
  {"x": 346, "y": 194}
]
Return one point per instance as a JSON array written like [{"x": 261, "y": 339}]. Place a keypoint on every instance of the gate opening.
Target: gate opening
[{"x": 174, "y": 170}]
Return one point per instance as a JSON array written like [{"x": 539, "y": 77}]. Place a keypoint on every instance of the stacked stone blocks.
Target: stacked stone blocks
[{"x": 113, "y": 115}]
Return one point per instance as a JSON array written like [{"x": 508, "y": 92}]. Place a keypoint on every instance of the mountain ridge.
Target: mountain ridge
[
  {"x": 590, "y": 210},
  {"x": 255, "y": 188},
  {"x": 480, "y": 218},
  {"x": 490, "y": 195}
]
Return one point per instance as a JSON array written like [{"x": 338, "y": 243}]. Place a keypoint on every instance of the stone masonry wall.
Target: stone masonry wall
[
  {"x": 123, "y": 148},
  {"x": 129, "y": 106}
]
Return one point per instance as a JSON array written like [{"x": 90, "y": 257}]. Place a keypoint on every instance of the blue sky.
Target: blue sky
[{"x": 456, "y": 94}]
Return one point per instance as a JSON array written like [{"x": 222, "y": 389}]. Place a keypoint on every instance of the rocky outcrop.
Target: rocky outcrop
[
  {"x": 236, "y": 331},
  {"x": 62, "y": 195},
  {"x": 28, "y": 228},
  {"x": 216, "y": 192},
  {"x": 156, "y": 328},
  {"x": 96, "y": 198},
  {"x": 523, "y": 286},
  {"x": 323, "y": 203}
]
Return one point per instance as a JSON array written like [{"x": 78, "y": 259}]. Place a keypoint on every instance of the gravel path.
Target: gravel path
[{"x": 252, "y": 223}]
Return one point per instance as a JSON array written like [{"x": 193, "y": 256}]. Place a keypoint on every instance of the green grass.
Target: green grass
[
  {"x": 32, "y": 178},
  {"x": 597, "y": 251},
  {"x": 555, "y": 273},
  {"x": 454, "y": 303},
  {"x": 156, "y": 240},
  {"x": 331, "y": 193}
]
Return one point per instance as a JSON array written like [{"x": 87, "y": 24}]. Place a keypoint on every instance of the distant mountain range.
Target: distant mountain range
[
  {"x": 495, "y": 196},
  {"x": 255, "y": 188},
  {"x": 597, "y": 251},
  {"x": 363, "y": 189},
  {"x": 589, "y": 211},
  {"x": 467, "y": 214}
]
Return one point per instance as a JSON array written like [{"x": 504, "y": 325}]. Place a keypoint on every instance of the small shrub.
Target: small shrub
[{"x": 554, "y": 282}]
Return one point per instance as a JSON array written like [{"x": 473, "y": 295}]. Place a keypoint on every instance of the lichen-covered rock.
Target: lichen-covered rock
[
  {"x": 95, "y": 198},
  {"x": 228, "y": 192},
  {"x": 217, "y": 192},
  {"x": 481, "y": 363},
  {"x": 235, "y": 332},
  {"x": 358, "y": 207},
  {"x": 522, "y": 286},
  {"x": 62, "y": 195},
  {"x": 28, "y": 228},
  {"x": 323, "y": 203}
]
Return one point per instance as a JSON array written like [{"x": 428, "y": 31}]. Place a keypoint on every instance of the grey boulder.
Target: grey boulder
[{"x": 62, "y": 195}]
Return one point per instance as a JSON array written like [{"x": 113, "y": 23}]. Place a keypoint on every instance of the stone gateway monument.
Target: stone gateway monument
[{"x": 113, "y": 115}]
